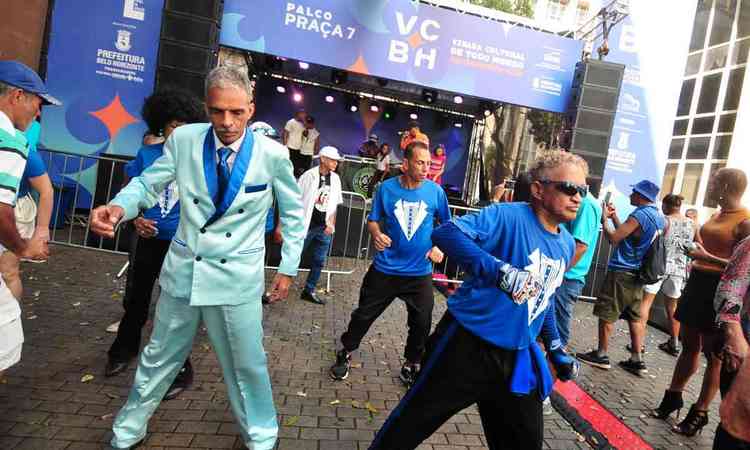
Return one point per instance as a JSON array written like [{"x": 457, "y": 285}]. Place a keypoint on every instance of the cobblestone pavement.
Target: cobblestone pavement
[
  {"x": 631, "y": 398},
  {"x": 50, "y": 401}
]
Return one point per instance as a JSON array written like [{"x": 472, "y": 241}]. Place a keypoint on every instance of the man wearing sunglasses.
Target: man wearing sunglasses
[
  {"x": 622, "y": 290},
  {"x": 484, "y": 349}
]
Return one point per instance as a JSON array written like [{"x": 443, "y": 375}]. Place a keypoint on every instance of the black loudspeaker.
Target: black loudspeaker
[
  {"x": 591, "y": 114},
  {"x": 189, "y": 43}
]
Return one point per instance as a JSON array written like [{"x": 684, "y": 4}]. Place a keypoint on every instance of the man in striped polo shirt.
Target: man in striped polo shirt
[{"x": 22, "y": 93}]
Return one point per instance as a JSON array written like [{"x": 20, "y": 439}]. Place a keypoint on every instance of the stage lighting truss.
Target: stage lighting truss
[
  {"x": 350, "y": 98},
  {"x": 429, "y": 96},
  {"x": 597, "y": 28},
  {"x": 339, "y": 77}
]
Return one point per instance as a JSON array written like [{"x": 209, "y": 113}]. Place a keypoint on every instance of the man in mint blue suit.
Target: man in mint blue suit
[{"x": 213, "y": 271}]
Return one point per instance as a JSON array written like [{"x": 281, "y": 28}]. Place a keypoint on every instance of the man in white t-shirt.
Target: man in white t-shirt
[
  {"x": 292, "y": 139},
  {"x": 310, "y": 143},
  {"x": 321, "y": 196}
]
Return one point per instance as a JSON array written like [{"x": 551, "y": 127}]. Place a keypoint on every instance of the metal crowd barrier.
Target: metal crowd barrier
[
  {"x": 69, "y": 172},
  {"x": 351, "y": 248},
  {"x": 348, "y": 249}
]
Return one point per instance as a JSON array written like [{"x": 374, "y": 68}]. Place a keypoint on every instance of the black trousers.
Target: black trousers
[
  {"x": 725, "y": 441},
  {"x": 459, "y": 370},
  {"x": 146, "y": 258},
  {"x": 300, "y": 162},
  {"x": 377, "y": 292}
]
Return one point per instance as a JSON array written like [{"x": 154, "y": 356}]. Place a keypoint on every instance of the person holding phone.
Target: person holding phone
[{"x": 621, "y": 293}]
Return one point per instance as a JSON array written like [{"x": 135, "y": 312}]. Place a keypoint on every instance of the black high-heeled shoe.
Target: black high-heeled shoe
[
  {"x": 693, "y": 423},
  {"x": 671, "y": 402}
]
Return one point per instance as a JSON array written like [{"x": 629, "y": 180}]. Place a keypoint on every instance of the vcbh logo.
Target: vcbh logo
[
  {"x": 399, "y": 51},
  {"x": 123, "y": 41}
]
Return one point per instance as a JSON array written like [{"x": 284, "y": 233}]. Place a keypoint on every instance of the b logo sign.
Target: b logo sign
[{"x": 414, "y": 32}]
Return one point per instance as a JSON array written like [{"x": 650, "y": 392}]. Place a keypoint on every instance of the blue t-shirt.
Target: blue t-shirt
[
  {"x": 585, "y": 229},
  {"x": 34, "y": 165},
  {"x": 512, "y": 233},
  {"x": 629, "y": 254},
  {"x": 166, "y": 213},
  {"x": 408, "y": 216}
]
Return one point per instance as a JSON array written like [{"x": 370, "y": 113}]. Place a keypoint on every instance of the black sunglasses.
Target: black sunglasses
[{"x": 568, "y": 187}]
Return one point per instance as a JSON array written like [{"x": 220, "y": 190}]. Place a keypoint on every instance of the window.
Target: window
[
  {"x": 721, "y": 146},
  {"x": 703, "y": 125},
  {"x": 675, "y": 148},
  {"x": 680, "y": 127},
  {"x": 709, "y": 93},
  {"x": 726, "y": 123},
  {"x": 739, "y": 54},
  {"x": 555, "y": 10},
  {"x": 693, "y": 64},
  {"x": 702, "y": 13},
  {"x": 743, "y": 23},
  {"x": 716, "y": 58},
  {"x": 670, "y": 176},
  {"x": 734, "y": 89},
  {"x": 690, "y": 182},
  {"x": 721, "y": 29},
  {"x": 709, "y": 202},
  {"x": 698, "y": 148},
  {"x": 686, "y": 97}
]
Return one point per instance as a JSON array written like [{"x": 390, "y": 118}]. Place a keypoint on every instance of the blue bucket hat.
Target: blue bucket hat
[
  {"x": 21, "y": 76},
  {"x": 647, "y": 189}
]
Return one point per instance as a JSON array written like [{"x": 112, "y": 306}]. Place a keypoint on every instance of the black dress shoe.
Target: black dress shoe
[
  {"x": 182, "y": 381},
  {"x": 115, "y": 366},
  {"x": 312, "y": 297}
]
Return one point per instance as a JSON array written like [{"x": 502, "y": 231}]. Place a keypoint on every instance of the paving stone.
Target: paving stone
[{"x": 44, "y": 402}]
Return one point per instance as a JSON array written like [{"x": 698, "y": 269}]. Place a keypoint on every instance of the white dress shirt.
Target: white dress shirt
[{"x": 234, "y": 147}]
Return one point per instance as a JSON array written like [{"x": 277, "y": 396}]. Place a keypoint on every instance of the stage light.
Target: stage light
[
  {"x": 297, "y": 97},
  {"x": 274, "y": 63},
  {"x": 303, "y": 65},
  {"x": 458, "y": 99},
  {"x": 458, "y": 125},
  {"x": 429, "y": 95},
  {"x": 413, "y": 116},
  {"x": 352, "y": 103},
  {"x": 339, "y": 77},
  {"x": 280, "y": 89},
  {"x": 329, "y": 99},
  {"x": 389, "y": 112},
  {"x": 374, "y": 107},
  {"x": 486, "y": 108}
]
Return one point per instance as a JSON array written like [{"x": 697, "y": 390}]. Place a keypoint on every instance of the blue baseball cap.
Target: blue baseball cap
[
  {"x": 21, "y": 76},
  {"x": 647, "y": 189}
]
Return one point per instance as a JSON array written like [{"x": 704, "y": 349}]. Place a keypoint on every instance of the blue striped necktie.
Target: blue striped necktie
[{"x": 223, "y": 171}]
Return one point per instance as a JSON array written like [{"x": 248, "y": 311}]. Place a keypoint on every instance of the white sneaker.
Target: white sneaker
[
  {"x": 547, "y": 409},
  {"x": 113, "y": 328}
]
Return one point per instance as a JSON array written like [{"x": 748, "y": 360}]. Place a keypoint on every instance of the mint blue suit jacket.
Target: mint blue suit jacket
[{"x": 218, "y": 252}]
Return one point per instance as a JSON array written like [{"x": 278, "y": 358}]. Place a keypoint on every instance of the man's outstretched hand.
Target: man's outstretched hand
[
  {"x": 104, "y": 218},
  {"x": 280, "y": 287}
]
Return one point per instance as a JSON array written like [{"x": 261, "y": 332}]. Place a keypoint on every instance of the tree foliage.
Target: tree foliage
[
  {"x": 545, "y": 127},
  {"x": 523, "y": 8}
]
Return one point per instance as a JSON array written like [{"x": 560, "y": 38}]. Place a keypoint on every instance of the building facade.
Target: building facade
[{"x": 706, "y": 135}]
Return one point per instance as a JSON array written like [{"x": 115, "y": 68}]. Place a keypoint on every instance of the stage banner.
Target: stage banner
[
  {"x": 101, "y": 64},
  {"x": 412, "y": 42},
  {"x": 655, "y": 63}
]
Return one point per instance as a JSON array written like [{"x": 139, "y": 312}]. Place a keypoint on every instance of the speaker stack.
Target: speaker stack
[
  {"x": 189, "y": 43},
  {"x": 590, "y": 118}
]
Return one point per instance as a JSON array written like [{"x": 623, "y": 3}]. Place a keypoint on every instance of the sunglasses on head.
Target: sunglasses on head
[{"x": 568, "y": 187}]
